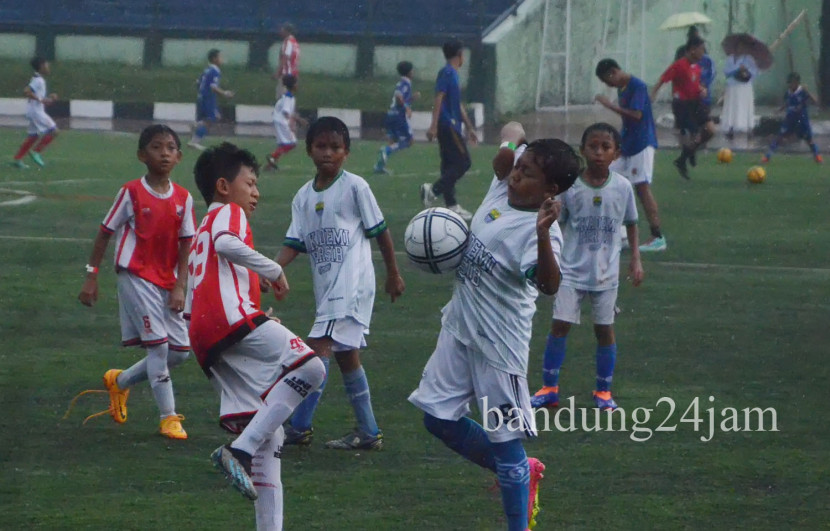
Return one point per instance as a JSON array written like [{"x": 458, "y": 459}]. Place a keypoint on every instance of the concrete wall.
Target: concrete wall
[
  {"x": 333, "y": 59},
  {"x": 183, "y": 52},
  {"x": 129, "y": 50},
  {"x": 17, "y": 45},
  {"x": 426, "y": 62}
]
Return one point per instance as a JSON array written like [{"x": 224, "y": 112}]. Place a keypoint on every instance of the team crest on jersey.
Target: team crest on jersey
[
  {"x": 597, "y": 200},
  {"x": 633, "y": 171},
  {"x": 179, "y": 210},
  {"x": 492, "y": 215},
  {"x": 324, "y": 269},
  {"x": 319, "y": 206}
]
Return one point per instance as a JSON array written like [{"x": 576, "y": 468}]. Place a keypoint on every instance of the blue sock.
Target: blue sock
[
  {"x": 304, "y": 413},
  {"x": 465, "y": 437},
  {"x": 357, "y": 389},
  {"x": 513, "y": 472},
  {"x": 814, "y": 148},
  {"x": 200, "y": 132},
  {"x": 606, "y": 358},
  {"x": 397, "y": 146},
  {"x": 772, "y": 147},
  {"x": 554, "y": 357}
]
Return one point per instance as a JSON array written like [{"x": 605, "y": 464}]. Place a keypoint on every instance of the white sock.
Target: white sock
[
  {"x": 160, "y": 381},
  {"x": 265, "y": 468},
  {"x": 138, "y": 372},
  {"x": 280, "y": 403}
]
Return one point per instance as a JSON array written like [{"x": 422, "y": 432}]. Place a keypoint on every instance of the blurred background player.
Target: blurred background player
[
  {"x": 398, "y": 128},
  {"x": 482, "y": 349},
  {"x": 289, "y": 61},
  {"x": 448, "y": 115},
  {"x": 42, "y": 129},
  {"x": 797, "y": 120},
  {"x": 285, "y": 121},
  {"x": 333, "y": 218},
  {"x": 260, "y": 369},
  {"x": 207, "y": 108},
  {"x": 707, "y": 66},
  {"x": 594, "y": 212},
  {"x": 154, "y": 221},
  {"x": 639, "y": 140}
]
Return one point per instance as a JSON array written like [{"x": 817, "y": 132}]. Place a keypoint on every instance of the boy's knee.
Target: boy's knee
[
  {"x": 437, "y": 427},
  {"x": 176, "y": 358},
  {"x": 315, "y": 371}
]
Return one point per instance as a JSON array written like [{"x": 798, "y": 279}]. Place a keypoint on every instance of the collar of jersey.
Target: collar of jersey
[
  {"x": 592, "y": 187},
  {"x": 152, "y": 192},
  {"x": 522, "y": 209},
  {"x": 314, "y": 186}
]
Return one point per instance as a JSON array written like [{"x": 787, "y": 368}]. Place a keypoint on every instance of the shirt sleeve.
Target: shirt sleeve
[
  {"x": 370, "y": 214},
  {"x": 669, "y": 74},
  {"x": 188, "y": 228},
  {"x": 639, "y": 98},
  {"x": 442, "y": 84},
  {"x": 630, "y": 216},
  {"x": 530, "y": 258},
  {"x": 230, "y": 220},
  {"x": 236, "y": 251},
  {"x": 120, "y": 213},
  {"x": 294, "y": 236}
]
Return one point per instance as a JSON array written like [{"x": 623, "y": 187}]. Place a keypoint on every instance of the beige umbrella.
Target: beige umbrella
[{"x": 684, "y": 20}]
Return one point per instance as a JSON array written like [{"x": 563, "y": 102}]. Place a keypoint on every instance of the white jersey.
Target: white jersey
[
  {"x": 334, "y": 227},
  {"x": 593, "y": 220},
  {"x": 494, "y": 297},
  {"x": 285, "y": 107},
  {"x": 38, "y": 86}
]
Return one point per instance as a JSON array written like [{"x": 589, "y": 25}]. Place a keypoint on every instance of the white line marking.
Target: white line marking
[
  {"x": 27, "y": 197},
  {"x": 64, "y": 181},
  {"x": 43, "y": 239}
]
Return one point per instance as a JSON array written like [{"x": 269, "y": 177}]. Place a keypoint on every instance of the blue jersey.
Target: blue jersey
[
  {"x": 208, "y": 80},
  {"x": 707, "y": 76},
  {"x": 797, "y": 103},
  {"x": 636, "y": 134},
  {"x": 403, "y": 91},
  {"x": 448, "y": 83}
]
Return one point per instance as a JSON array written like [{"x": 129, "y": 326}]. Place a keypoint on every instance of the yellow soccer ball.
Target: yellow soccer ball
[
  {"x": 756, "y": 174},
  {"x": 725, "y": 155}
]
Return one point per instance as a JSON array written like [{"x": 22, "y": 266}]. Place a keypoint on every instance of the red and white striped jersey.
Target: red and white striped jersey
[
  {"x": 223, "y": 298},
  {"x": 148, "y": 227},
  {"x": 290, "y": 50}
]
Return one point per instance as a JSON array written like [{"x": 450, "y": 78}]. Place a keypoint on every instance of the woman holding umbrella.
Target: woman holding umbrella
[{"x": 746, "y": 57}]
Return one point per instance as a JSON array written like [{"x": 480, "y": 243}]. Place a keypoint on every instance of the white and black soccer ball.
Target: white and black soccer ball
[{"x": 435, "y": 240}]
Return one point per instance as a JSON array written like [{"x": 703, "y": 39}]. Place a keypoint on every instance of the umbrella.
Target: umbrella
[
  {"x": 684, "y": 20},
  {"x": 744, "y": 43}
]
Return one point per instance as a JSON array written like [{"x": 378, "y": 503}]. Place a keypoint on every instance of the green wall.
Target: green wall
[{"x": 17, "y": 45}]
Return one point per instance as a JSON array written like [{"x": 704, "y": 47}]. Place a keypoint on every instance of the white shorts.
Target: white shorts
[
  {"x": 145, "y": 318},
  {"x": 246, "y": 371},
  {"x": 347, "y": 333},
  {"x": 637, "y": 168},
  {"x": 567, "y": 305},
  {"x": 456, "y": 374},
  {"x": 284, "y": 133},
  {"x": 40, "y": 123}
]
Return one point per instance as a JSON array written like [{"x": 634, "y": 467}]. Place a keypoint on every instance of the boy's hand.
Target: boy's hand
[
  {"x": 52, "y": 98},
  {"x": 472, "y": 137},
  {"x": 416, "y": 94},
  {"x": 176, "y": 300},
  {"x": 270, "y": 315},
  {"x": 635, "y": 271},
  {"x": 229, "y": 94},
  {"x": 432, "y": 132},
  {"x": 89, "y": 292},
  {"x": 548, "y": 213},
  {"x": 602, "y": 100},
  {"x": 280, "y": 287},
  {"x": 395, "y": 286}
]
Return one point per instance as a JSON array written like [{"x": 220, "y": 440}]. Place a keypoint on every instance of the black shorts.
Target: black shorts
[{"x": 689, "y": 115}]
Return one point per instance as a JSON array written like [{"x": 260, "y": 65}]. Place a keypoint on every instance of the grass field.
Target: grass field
[{"x": 736, "y": 309}]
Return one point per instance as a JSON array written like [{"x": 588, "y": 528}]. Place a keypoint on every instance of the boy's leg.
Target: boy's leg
[
  {"x": 566, "y": 311},
  {"x": 513, "y": 472},
  {"x": 773, "y": 146},
  {"x": 604, "y": 303},
  {"x": 27, "y": 144},
  {"x": 302, "y": 419},
  {"x": 281, "y": 150},
  {"x": 455, "y": 161},
  {"x": 265, "y": 468},
  {"x": 464, "y": 437}
]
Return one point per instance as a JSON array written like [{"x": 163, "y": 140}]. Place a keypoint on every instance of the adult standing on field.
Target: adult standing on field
[{"x": 289, "y": 59}]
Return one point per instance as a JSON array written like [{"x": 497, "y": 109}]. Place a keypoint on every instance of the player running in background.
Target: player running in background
[
  {"x": 260, "y": 369},
  {"x": 639, "y": 140},
  {"x": 483, "y": 345},
  {"x": 153, "y": 220},
  {"x": 333, "y": 218},
  {"x": 398, "y": 128},
  {"x": 285, "y": 121},
  {"x": 42, "y": 129},
  {"x": 594, "y": 212},
  {"x": 797, "y": 120},
  {"x": 207, "y": 108}
]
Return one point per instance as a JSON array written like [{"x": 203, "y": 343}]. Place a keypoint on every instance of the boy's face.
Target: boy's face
[
  {"x": 695, "y": 54},
  {"x": 600, "y": 150},
  {"x": 328, "y": 152},
  {"x": 613, "y": 78},
  {"x": 243, "y": 190},
  {"x": 527, "y": 186},
  {"x": 793, "y": 84},
  {"x": 161, "y": 155},
  {"x": 218, "y": 60},
  {"x": 45, "y": 69}
]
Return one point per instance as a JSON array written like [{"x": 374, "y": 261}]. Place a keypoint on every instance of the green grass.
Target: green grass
[
  {"x": 736, "y": 309},
  {"x": 117, "y": 82}
]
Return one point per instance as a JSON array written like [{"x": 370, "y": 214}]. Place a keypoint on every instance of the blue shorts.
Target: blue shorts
[
  {"x": 398, "y": 128},
  {"x": 206, "y": 112},
  {"x": 798, "y": 126}
]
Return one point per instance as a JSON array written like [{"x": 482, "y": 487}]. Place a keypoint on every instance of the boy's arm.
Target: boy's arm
[
  {"x": 635, "y": 268},
  {"x": 625, "y": 113},
  {"x": 231, "y": 248},
  {"x": 287, "y": 255},
  {"x": 394, "y": 282},
  {"x": 89, "y": 291},
  {"x": 656, "y": 89},
  {"x": 548, "y": 275},
  {"x": 471, "y": 130},
  {"x": 177, "y": 294},
  {"x": 432, "y": 132},
  {"x": 810, "y": 95}
]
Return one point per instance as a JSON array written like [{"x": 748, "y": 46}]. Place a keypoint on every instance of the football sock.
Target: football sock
[
  {"x": 357, "y": 389},
  {"x": 554, "y": 357},
  {"x": 656, "y": 232},
  {"x": 304, "y": 414},
  {"x": 138, "y": 372},
  {"x": 160, "y": 381},
  {"x": 772, "y": 147},
  {"x": 199, "y": 132},
  {"x": 513, "y": 472},
  {"x": 464, "y": 437},
  {"x": 45, "y": 140},
  {"x": 25, "y": 146},
  {"x": 282, "y": 149},
  {"x": 397, "y": 146},
  {"x": 606, "y": 358},
  {"x": 814, "y": 148},
  {"x": 265, "y": 471},
  {"x": 284, "y": 396}
]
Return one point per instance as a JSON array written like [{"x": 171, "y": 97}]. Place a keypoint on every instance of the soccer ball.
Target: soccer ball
[
  {"x": 725, "y": 155},
  {"x": 756, "y": 174},
  {"x": 435, "y": 240}
]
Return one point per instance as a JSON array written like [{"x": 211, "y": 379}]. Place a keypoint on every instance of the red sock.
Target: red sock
[
  {"x": 45, "y": 140},
  {"x": 25, "y": 146},
  {"x": 282, "y": 150}
]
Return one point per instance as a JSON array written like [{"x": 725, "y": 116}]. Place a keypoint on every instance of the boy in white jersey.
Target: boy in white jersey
[
  {"x": 153, "y": 220},
  {"x": 260, "y": 369},
  {"x": 594, "y": 212},
  {"x": 333, "y": 218},
  {"x": 285, "y": 121},
  {"x": 42, "y": 128},
  {"x": 482, "y": 350}
]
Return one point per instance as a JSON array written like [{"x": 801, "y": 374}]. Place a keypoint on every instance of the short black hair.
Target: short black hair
[
  {"x": 289, "y": 81},
  {"x": 221, "y": 162},
  {"x": 793, "y": 76},
  {"x": 404, "y": 68},
  {"x": 37, "y": 62},
  {"x": 694, "y": 42},
  {"x": 602, "y": 127},
  {"x": 559, "y": 162},
  {"x": 151, "y": 131},
  {"x": 327, "y": 124},
  {"x": 692, "y": 32},
  {"x": 605, "y": 66},
  {"x": 452, "y": 48},
  {"x": 288, "y": 28},
  {"x": 213, "y": 53}
]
